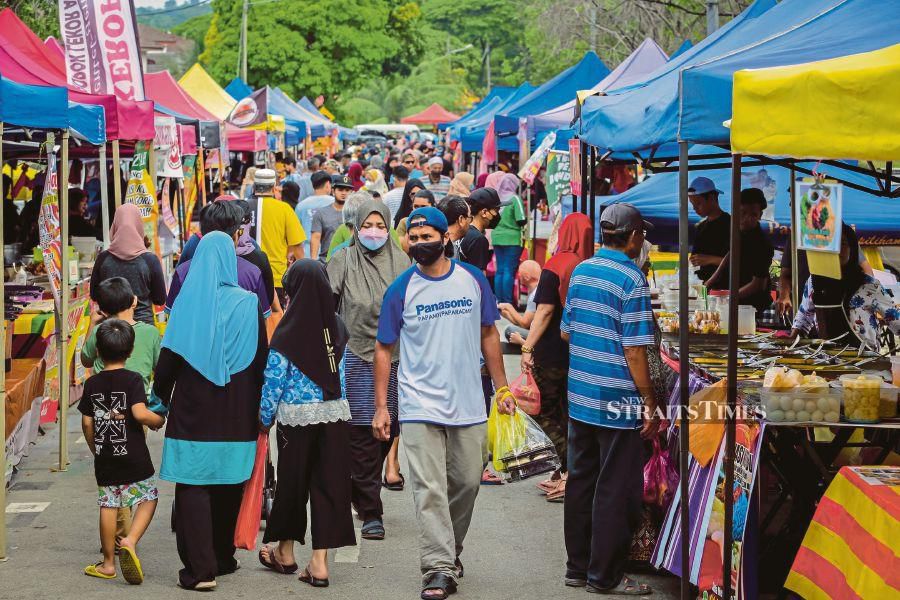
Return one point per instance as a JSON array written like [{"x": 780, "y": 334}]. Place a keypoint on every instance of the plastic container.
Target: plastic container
[
  {"x": 746, "y": 318},
  {"x": 895, "y": 370},
  {"x": 861, "y": 398},
  {"x": 822, "y": 405},
  {"x": 887, "y": 407}
]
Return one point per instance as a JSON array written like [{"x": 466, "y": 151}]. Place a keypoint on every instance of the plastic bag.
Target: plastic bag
[
  {"x": 247, "y": 527},
  {"x": 519, "y": 446},
  {"x": 528, "y": 396},
  {"x": 660, "y": 477}
]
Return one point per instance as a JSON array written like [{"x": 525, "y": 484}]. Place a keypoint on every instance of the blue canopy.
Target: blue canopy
[
  {"x": 645, "y": 115},
  {"x": 495, "y": 97},
  {"x": 875, "y": 218},
  {"x": 684, "y": 47},
  {"x": 320, "y": 119},
  {"x": 88, "y": 121},
  {"x": 472, "y": 134},
  {"x": 825, "y": 29},
  {"x": 295, "y": 116},
  {"x": 238, "y": 88},
  {"x": 583, "y": 75},
  {"x": 40, "y": 107}
]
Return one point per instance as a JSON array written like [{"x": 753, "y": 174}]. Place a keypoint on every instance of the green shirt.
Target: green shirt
[
  {"x": 143, "y": 358},
  {"x": 508, "y": 232}
]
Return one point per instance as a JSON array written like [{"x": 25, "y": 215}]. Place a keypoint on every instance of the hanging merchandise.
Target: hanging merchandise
[
  {"x": 49, "y": 228},
  {"x": 532, "y": 166},
  {"x": 557, "y": 179},
  {"x": 166, "y": 215},
  {"x": 168, "y": 150},
  {"x": 141, "y": 191},
  {"x": 575, "y": 166},
  {"x": 819, "y": 213},
  {"x": 189, "y": 166}
]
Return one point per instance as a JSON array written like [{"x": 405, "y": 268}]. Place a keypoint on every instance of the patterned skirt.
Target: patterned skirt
[{"x": 359, "y": 377}]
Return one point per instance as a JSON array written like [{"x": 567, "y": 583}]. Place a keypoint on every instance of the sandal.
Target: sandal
[
  {"x": 440, "y": 582},
  {"x": 273, "y": 563},
  {"x": 558, "y": 495},
  {"x": 372, "y": 530},
  {"x": 626, "y": 587},
  {"x": 130, "y": 565},
  {"x": 490, "y": 478},
  {"x": 307, "y": 578},
  {"x": 551, "y": 483},
  {"x": 396, "y": 486},
  {"x": 91, "y": 571}
]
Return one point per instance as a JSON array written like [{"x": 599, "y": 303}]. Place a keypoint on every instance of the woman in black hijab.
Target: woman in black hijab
[
  {"x": 413, "y": 186},
  {"x": 303, "y": 393}
]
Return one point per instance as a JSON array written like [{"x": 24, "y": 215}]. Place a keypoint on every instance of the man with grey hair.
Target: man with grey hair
[{"x": 275, "y": 227}]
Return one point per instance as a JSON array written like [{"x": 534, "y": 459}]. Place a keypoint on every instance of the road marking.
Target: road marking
[
  {"x": 349, "y": 554},
  {"x": 26, "y": 507}
]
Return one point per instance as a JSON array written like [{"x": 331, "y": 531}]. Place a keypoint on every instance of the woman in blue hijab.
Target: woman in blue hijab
[{"x": 209, "y": 376}]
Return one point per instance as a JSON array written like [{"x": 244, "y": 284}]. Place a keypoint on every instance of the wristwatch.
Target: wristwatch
[{"x": 527, "y": 349}]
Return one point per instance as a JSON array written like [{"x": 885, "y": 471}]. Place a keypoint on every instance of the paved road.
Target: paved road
[{"x": 514, "y": 549}]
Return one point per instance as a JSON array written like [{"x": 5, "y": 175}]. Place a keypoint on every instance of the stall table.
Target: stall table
[
  {"x": 24, "y": 383},
  {"x": 850, "y": 549}
]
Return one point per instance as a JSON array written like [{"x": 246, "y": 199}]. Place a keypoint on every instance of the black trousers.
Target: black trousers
[
  {"x": 603, "y": 501},
  {"x": 367, "y": 464},
  {"x": 204, "y": 530},
  {"x": 314, "y": 467}
]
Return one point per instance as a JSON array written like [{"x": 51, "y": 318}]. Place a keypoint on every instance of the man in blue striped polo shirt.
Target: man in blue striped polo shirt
[{"x": 609, "y": 324}]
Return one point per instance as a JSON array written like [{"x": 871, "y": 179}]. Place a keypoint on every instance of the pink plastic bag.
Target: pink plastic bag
[
  {"x": 528, "y": 397},
  {"x": 660, "y": 477},
  {"x": 247, "y": 527}
]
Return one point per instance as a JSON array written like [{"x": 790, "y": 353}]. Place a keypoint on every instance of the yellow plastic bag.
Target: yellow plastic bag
[{"x": 519, "y": 440}]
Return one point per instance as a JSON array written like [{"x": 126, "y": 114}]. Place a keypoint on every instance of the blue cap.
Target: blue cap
[
  {"x": 427, "y": 215},
  {"x": 703, "y": 185}
]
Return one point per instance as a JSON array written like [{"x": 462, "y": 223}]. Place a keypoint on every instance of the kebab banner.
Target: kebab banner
[
  {"x": 49, "y": 233},
  {"x": 141, "y": 191}
]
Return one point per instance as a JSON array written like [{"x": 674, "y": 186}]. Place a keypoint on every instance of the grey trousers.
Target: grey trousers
[{"x": 445, "y": 465}]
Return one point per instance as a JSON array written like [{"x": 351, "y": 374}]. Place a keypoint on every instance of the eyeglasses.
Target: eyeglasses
[{"x": 409, "y": 162}]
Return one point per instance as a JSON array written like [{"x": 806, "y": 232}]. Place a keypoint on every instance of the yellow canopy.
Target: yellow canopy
[
  {"x": 204, "y": 89},
  {"x": 842, "y": 108}
]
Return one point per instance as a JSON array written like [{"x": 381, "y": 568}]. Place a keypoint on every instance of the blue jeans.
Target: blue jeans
[{"x": 507, "y": 265}]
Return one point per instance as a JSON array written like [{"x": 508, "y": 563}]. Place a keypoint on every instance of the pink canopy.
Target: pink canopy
[
  {"x": 433, "y": 115},
  {"x": 163, "y": 89},
  {"x": 25, "y": 59}
]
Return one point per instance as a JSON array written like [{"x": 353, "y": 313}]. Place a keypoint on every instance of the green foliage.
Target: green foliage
[
  {"x": 168, "y": 19},
  {"x": 40, "y": 15},
  {"x": 194, "y": 29}
]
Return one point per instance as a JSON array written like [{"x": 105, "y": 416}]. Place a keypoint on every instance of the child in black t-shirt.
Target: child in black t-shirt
[{"x": 114, "y": 409}]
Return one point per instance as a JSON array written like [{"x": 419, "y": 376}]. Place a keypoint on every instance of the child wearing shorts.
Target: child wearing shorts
[{"x": 114, "y": 411}]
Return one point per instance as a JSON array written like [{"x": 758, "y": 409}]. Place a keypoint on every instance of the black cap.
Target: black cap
[
  {"x": 319, "y": 178},
  {"x": 343, "y": 181},
  {"x": 754, "y": 196},
  {"x": 484, "y": 198}
]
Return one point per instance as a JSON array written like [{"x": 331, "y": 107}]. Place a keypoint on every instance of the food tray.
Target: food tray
[{"x": 523, "y": 465}]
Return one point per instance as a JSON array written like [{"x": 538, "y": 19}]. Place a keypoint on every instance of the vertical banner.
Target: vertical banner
[
  {"x": 141, "y": 191},
  {"x": 49, "y": 229},
  {"x": 575, "y": 167},
  {"x": 101, "y": 46},
  {"x": 557, "y": 180},
  {"x": 818, "y": 216},
  {"x": 189, "y": 165},
  {"x": 252, "y": 110},
  {"x": 167, "y": 216},
  {"x": 168, "y": 149},
  {"x": 532, "y": 166}
]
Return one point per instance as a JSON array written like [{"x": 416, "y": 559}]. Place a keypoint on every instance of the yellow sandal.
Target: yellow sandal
[
  {"x": 130, "y": 565},
  {"x": 91, "y": 571}
]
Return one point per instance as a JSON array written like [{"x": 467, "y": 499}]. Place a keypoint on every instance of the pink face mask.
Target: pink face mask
[{"x": 373, "y": 238}]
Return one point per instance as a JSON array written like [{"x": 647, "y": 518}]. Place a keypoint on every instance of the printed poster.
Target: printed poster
[
  {"x": 189, "y": 165},
  {"x": 167, "y": 147},
  {"x": 49, "y": 228},
  {"x": 533, "y": 165},
  {"x": 818, "y": 216},
  {"x": 575, "y": 167},
  {"x": 142, "y": 192},
  {"x": 252, "y": 110},
  {"x": 557, "y": 178}
]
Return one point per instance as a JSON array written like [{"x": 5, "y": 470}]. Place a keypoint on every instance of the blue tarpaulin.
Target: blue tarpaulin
[
  {"x": 495, "y": 97},
  {"x": 40, "y": 107},
  {"x": 280, "y": 104},
  {"x": 876, "y": 219},
  {"x": 644, "y": 116},
  {"x": 684, "y": 47},
  {"x": 88, "y": 122},
  {"x": 472, "y": 134},
  {"x": 317, "y": 118},
  {"x": 820, "y": 29},
  {"x": 238, "y": 89}
]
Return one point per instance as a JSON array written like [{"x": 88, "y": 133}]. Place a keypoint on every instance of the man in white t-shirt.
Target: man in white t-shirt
[
  {"x": 443, "y": 313},
  {"x": 393, "y": 199}
]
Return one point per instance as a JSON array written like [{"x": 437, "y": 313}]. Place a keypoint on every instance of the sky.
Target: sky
[{"x": 149, "y": 3}]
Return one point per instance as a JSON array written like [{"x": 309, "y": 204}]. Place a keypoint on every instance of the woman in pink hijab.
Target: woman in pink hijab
[{"x": 129, "y": 258}]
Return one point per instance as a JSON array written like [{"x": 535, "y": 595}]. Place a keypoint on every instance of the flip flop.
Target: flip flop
[
  {"x": 489, "y": 478},
  {"x": 273, "y": 563},
  {"x": 130, "y": 565},
  {"x": 396, "y": 486},
  {"x": 91, "y": 571},
  {"x": 309, "y": 579},
  {"x": 626, "y": 587}
]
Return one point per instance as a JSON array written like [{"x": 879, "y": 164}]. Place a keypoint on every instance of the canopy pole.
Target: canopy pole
[
  {"x": 734, "y": 286},
  {"x": 683, "y": 369},
  {"x": 222, "y": 173},
  {"x": 2, "y": 386},
  {"x": 104, "y": 197},
  {"x": 582, "y": 160},
  {"x": 117, "y": 173},
  {"x": 795, "y": 271},
  {"x": 63, "y": 327},
  {"x": 182, "y": 224}
]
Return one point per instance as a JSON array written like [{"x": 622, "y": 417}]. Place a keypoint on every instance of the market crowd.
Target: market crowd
[{"x": 347, "y": 303}]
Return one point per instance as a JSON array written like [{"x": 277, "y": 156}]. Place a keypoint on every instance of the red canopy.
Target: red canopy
[
  {"x": 25, "y": 59},
  {"x": 433, "y": 115},
  {"x": 164, "y": 90}
]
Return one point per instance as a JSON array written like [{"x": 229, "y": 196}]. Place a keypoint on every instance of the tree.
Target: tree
[
  {"x": 325, "y": 47},
  {"x": 40, "y": 15},
  {"x": 194, "y": 29}
]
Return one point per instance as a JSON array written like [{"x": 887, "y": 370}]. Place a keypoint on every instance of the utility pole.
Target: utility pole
[
  {"x": 244, "y": 40},
  {"x": 593, "y": 17},
  {"x": 487, "y": 59},
  {"x": 712, "y": 16}
]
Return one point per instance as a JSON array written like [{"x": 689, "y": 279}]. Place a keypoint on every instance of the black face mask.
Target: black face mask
[
  {"x": 495, "y": 220},
  {"x": 427, "y": 253}
]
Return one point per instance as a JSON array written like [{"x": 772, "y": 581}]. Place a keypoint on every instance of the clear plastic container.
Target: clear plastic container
[
  {"x": 887, "y": 407},
  {"x": 746, "y": 317},
  {"x": 822, "y": 405},
  {"x": 861, "y": 398}
]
